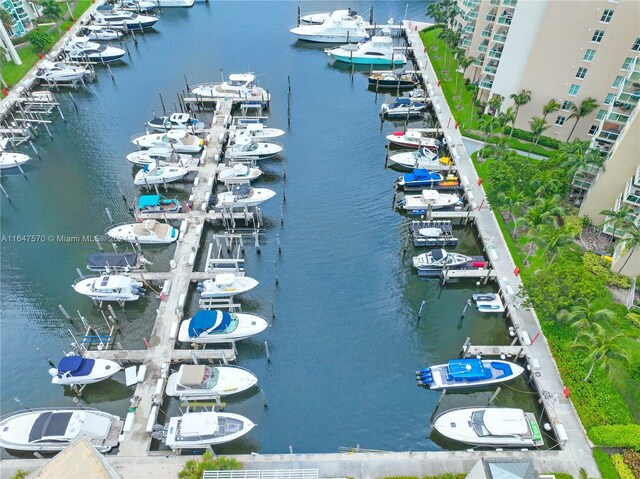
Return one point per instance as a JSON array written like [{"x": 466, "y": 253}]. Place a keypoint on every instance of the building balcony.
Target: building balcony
[
  {"x": 491, "y": 68},
  {"x": 494, "y": 2},
  {"x": 470, "y": 3},
  {"x": 609, "y": 132},
  {"x": 486, "y": 83},
  {"x": 629, "y": 93},
  {"x": 504, "y": 19},
  {"x": 510, "y": 3},
  {"x": 469, "y": 28},
  {"x": 479, "y": 60},
  {"x": 636, "y": 178},
  {"x": 486, "y": 33},
  {"x": 465, "y": 42},
  {"x": 490, "y": 17},
  {"x": 634, "y": 216},
  {"x": 494, "y": 53},
  {"x": 500, "y": 37},
  {"x": 631, "y": 194},
  {"x": 483, "y": 46}
]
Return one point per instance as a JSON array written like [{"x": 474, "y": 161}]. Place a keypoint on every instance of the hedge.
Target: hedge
[
  {"x": 602, "y": 269},
  {"x": 627, "y": 435},
  {"x": 607, "y": 470},
  {"x": 528, "y": 136},
  {"x": 622, "y": 469}
]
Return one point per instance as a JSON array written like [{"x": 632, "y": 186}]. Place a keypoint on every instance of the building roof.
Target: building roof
[{"x": 504, "y": 468}]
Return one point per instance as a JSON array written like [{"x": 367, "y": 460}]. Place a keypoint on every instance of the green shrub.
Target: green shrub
[
  {"x": 528, "y": 136},
  {"x": 622, "y": 435},
  {"x": 193, "y": 468},
  {"x": 40, "y": 40},
  {"x": 607, "y": 471},
  {"x": 622, "y": 469},
  {"x": 602, "y": 269}
]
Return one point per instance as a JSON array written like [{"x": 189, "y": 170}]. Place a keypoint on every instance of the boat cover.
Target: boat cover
[
  {"x": 468, "y": 370},
  {"x": 149, "y": 200},
  {"x": 438, "y": 254},
  {"x": 75, "y": 366},
  {"x": 50, "y": 424},
  {"x": 241, "y": 191},
  {"x": 100, "y": 261},
  {"x": 420, "y": 174},
  {"x": 207, "y": 321}
]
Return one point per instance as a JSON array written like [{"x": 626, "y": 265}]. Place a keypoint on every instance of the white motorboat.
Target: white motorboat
[
  {"x": 423, "y": 158},
  {"x": 225, "y": 285},
  {"x": 108, "y": 15},
  {"x": 109, "y": 287},
  {"x": 239, "y": 173},
  {"x": 319, "y": 18},
  {"x": 139, "y": 6},
  {"x": 9, "y": 159},
  {"x": 414, "y": 138},
  {"x": 145, "y": 232},
  {"x": 212, "y": 326},
  {"x": 438, "y": 259},
  {"x": 174, "y": 3},
  {"x": 100, "y": 33},
  {"x": 203, "y": 429},
  {"x": 53, "y": 429},
  {"x": 390, "y": 79},
  {"x": 82, "y": 50},
  {"x": 239, "y": 85},
  {"x": 179, "y": 140},
  {"x": 74, "y": 369},
  {"x": 257, "y": 131},
  {"x": 243, "y": 195},
  {"x": 490, "y": 426},
  {"x": 466, "y": 373},
  {"x": 192, "y": 382},
  {"x": 175, "y": 121},
  {"x": 429, "y": 199},
  {"x": 247, "y": 149},
  {"x": 403, "y": 107},
  {"x": 488, "y": 303},
  {"x": 58, "y": 72},
  {"x": 337, "y": 28},
  {"x": 155, "y": 174},
  {"x": 377, "y": 51},
  {"x": 163, "y": 156}
]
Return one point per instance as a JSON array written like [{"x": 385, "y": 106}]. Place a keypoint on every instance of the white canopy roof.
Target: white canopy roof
[{"x": 505, "y": 421}]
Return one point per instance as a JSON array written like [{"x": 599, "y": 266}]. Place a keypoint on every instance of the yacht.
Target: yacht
[
  {"x": 146, "y": 232},
  {"x": 193, "y": 382},
  {"x": 9, "y": 159},
  {"x": 161, "y": 155},
  {"x": 337, "y": 28},
  {"x": 245, "y": 148},
  {"x": 429, "y": 199},
  {"x": 100, "y": 33},
  {"x": 439, "y": 259},
  {"x": 75, "y": 369},
  {"x": 414, "y": 138},
  {"x": 239, "y": 85},
  {"x": 58, "y": 72},
  {"x": 243, "y": 195},
  {"x": 377, "y": 51},
  {"x": 110, "y": 16},
  {"x": 214, "y": 326},
  {"x": 225, "y": 285},
  {"x": 319, "y": 18},
  {"x": 466, "y": 373},
  {"x": 175, "y": 121},
  {"x": 80, "y": 49},
  {"x": 238, "y": 173},
  {"x": 155, "y": 174},
  {"x": 109, "y": 287},
  {"x": 179, "y": 140}
]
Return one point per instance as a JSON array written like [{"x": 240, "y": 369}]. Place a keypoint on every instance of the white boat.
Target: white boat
[
  {"x": 53, "y": 429},
  {"x": 179, "y": 140},
  {"x": 403, "y": 107},
  {"x": 9, "y": 159},
  {"x": 174, "y": 3},
  {"x": 243, "y": 195},
  {"x": 203, "y": 429},
  {"x": 100, "y": 33},
  {"x": 82, "y": 50},
  {"x": 74, "y": 369},
  {"x": 239, "y": 173},
  {"x": 192, "y": 382},
  {"x": 319, "y": 18},
  {"x": 438, "y": 259},
  {"x": 377, "y": 51},
  {"x": 175, "y": 121},
  {"x": 162, "y": 155},
  {"x": 413, "y": 138},
  {"x": 212, "y": 326},
  {"x": 257, "y": 131},
  {"x": 239, "y": 85},
  {"x": 155, "y": 174},
  {"x": 488, "y": 303},
  {"x": 139, "y": 6},
  {"x": 108, "y": 15},
  {"x": 145, "y": 232},
  {"x": 225, "y": 285},
  {"x": 490, "y": 426},
  {"x": 58, "y": 72},
  {"x": 109, "y": 287},
  {"x": 247, "y": 149},
  {"x": 466, "y": 373},
  {"x": 429, "y": 199},
  {"x": 422, "y": 158},
  {"x": 337, "y": 28}
]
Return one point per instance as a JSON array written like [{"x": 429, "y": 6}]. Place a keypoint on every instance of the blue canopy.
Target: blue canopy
[
  {"x": 400, "y": 100},
  {"x": 149, "y": 200},
  {"x": 204, "y": 320},
  {"x": 75, "y": 366},
  {"x": 423, "y": 176},
  {"x": 468, "y": 370}
]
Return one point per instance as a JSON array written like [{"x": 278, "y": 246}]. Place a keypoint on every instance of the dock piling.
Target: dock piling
[
  {"x": 466, "y": 307},
  {"x": 109, "y": 215},
  {"x": 273, "y": 310},
  {"x": 494, "y": 395},
  {"x": 64, "y": 312},
  {"x": 275, "y": 271},
  {"x": 422, "y": 305},
  {"x": 266, "y": 350}
]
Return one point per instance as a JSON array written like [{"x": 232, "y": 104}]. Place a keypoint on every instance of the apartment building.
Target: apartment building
[
  {"x": 562, "y": 50},
  {"x": 23, "y": 13}
]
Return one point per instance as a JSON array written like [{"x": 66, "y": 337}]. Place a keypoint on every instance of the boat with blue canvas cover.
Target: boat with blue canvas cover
[
  {"x": 423, "y": 178},
  {"x": 75, "y": 369},
  {"x": 215, "y": 326},
  {"x": 377, "y": 51},
  {"x": 467, "y": 373},
  {"x": 158, "y": 204}
]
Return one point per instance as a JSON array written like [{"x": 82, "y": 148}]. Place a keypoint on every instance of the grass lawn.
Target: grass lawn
[{"x": 81, "y": 7}]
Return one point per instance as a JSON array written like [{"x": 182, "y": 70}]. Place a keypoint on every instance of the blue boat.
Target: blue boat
[
  {"x": 158, "y": 204},
  {"x": 420, "y": 178},
  {"x": 465, "y": 373}
]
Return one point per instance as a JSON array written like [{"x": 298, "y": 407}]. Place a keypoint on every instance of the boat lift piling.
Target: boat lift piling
[
  {"x": 164, "y": 110},
  {"x": 266, "y": 350},
  {"x": 4, "y": 192},
  {"x": 494, "y": 396},
  {"x": 422, "y": 305}
]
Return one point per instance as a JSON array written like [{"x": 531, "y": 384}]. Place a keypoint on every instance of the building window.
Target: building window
[
  {"x": 617, "y": 82},
  {"x": 581, "y": 73},
  {"x": 566, "y": 105},
  {"x": 609, "y": 98},
  {"x": 560, "y": 120},
  {"x": 573, "y": 90},
  {"x": 636, "y": 45},
  {"x": 588, "y": 55},
  {"x": 627, "y": 63},
  {"x": 597, "y": 36},
  {"x": 593, "y": 130},
  {"x": 601, "y": 114},
  {"x": 606, "y": 16}
]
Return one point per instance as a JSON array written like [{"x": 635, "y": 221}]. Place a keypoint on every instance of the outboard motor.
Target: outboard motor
[
  {"x": 199, "y": 288},
  {"x": 213, "y": 200}
]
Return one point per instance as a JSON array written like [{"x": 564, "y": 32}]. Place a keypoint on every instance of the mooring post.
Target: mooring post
[
  {"x": 464, "y": 310},
  {"x": 266, "y": 350},
  {"x": 422, "y": 305},
  {"x": 278, "y": 241},
  {"x": 273, "y": 310},
  {"x": 493, "y": 397},
  {"x": 275, "y": 271}
]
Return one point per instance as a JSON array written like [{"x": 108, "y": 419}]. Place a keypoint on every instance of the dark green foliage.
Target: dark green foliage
[
  {"x": 528, "y": 136},
  {"x": 193, "y": 468},
  {"x": 40, "y": 40}
]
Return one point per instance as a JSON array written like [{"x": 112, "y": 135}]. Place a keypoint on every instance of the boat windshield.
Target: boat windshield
[{"x": 477, "y": 422}]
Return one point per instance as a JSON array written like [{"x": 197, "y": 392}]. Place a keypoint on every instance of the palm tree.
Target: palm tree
[
  {"x": 617, "y": 218},
  {"x": 50, "y": 9},
  {"x": 582, "y": 110},
  {"x": 544, "y": 211},
  {"x": 495, "y": 103},
  {"x": 601, "y": 346},
  {"x": 549, "y": 185},
  {"x": 435, "y": 11},
  {"x": 464, "y": 63},
  {"x": 513, "y": 200},
  {"x": 507, "y": 116},
  {"x": 552, "y": 239},
  {"x": 577, "y": 154},
  {"x": 487, "y": 125},
  {"x": 583, "y": 314},
  {"x": 630, "y": 241},
  {"x": 6, "y": 18},
  {"x": 519, "y": 100},
  {"x": 550, "y": 108},
  {"x": 538, "y": 126}
]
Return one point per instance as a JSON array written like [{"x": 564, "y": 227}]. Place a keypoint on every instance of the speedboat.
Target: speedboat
[
  {"x": 98, "y": 33},
  {"x": 423, "y": 158},
  {"x": 212, "y": 326},
  {"x": 162, "y": 155},
  {"x": 53, "y": 429},
  {"x": 207, "y": 382},
  {"x": 389, "y": 79},
  {"x": 414, "y": 139},
  {"x": 247, "y": 149},
  {"x": 429, "y": 199},
  {"x": 257, "y": 131},
  {"x": 175, "y": 121},
  {"x": 319, "y": 18},
  {"x": 145, "y": 232},
  {"x": 75, "y": 369},
  {"x": 243, "y": 195},
  {"x": 203, "y": 429},
  {"x": 154, "y": 174},
  {"x": 239, "y": 85},
  {"x": 490, "y": 426},
  {"x": 139, "y": 6},
  {"x": 338, "y": 28},
  {"x": 108, "y": 15},
  {"x": 115, "y": 262},
  {"x": 488, "y": 303},
  {"x": 179, "y": 140},
  {"x": 377, "y": 51},
  {"x": 58, "y": 72},
  {"x": 440, "y": 259},
  {"x": 238, "y": 173},
  {"x": 225, "y": 285},
  {"x": 109, "y": 287},
  {"x": 9, "y": 159},
  {"x": 158, "y": 204},
  {"x": 80, "y": 49},
  {"x": 402, "y": 107},
  {"x": 420, "y": 178},
  {"x": 465, "y": 373}
]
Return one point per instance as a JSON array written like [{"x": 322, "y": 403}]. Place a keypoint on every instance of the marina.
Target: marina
[{"x": 286, "y": 245}]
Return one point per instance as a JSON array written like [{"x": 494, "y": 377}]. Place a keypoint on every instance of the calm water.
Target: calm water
[{"x": 345, "y": 342}]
